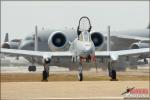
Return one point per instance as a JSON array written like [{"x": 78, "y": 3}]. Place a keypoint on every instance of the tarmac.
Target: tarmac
[
  {"x": 64, "y": 85},
  {"x": 70, "y": 90}
]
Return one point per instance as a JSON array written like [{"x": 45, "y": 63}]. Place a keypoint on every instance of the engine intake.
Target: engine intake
[
  {"x": 97, "y": 38},
  {"x": 57, "y": 41},
  {"x": 139, "y": 45}
]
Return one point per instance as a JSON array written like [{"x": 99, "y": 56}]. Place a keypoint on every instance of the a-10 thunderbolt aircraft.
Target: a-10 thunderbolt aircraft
[{"x": 73, "y": 48}]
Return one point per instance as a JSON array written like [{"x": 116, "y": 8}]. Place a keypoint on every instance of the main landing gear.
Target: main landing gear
[
  {"x": 45, "y": 73},
  {"x": 32, "y": 68},
  {"x": 112, "y": 71}
]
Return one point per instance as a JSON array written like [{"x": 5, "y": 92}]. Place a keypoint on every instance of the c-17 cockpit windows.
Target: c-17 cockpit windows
[
  {"x": 28, "y": 38},
  {"x": 16, "y": 40},
  {"x": 32, "y": 38}
]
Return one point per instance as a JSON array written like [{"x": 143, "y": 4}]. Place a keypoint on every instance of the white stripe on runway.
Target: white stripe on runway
[{"x": 83, "y": 98}]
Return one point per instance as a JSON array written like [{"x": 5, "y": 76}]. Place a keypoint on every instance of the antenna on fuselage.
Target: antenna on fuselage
[{"x": 36, "y": 39}]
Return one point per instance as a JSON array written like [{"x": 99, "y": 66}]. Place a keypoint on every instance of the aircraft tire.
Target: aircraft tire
[
  {"x": 80, "y": 77},
  {"x": 113, "y": 74},
  {"x": 45, "y": 75},
  {"x": 32, "y": 68}
]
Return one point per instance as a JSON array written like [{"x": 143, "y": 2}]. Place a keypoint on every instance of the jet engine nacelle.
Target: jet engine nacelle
[
  {"x": 57, "y": 41},
  {"x": 98, "y": 39},
  {"x": 6, "y": 45},
  {"x": 139, "y": 45}
]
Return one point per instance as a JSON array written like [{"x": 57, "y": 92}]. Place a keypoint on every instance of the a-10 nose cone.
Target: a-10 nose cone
[{"x": 87, "y": 50}]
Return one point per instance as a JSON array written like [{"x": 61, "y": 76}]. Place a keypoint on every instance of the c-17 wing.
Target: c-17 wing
[
  {"x": 114, "y": 55},
  {"x": 131, "y": 37}
]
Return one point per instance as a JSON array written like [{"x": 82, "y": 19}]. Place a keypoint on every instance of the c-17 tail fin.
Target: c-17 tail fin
[
  {"x": 6, "y": 38},
  {"x": 148, "y": 26}
]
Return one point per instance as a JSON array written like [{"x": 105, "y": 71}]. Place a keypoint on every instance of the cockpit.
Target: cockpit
[
  {"x": 28, "y": 38},
  {"x": 84, "y": 29},
  {"x": 85, "y": 36}
]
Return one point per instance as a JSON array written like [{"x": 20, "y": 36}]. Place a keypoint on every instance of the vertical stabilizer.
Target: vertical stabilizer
[
  {"x": 148, "y": 26},
  {"x": 6, "y": 38}
]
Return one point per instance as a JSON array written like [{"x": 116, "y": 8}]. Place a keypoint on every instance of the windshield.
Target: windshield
[
  {"x": 28, "y": 38},
  {"x": 32, "y": 38},
  {"x": 15, "y": 40},
  {"x": 85, "y": 36}
]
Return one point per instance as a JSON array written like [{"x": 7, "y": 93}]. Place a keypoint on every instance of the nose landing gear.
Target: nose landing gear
[{"x": 80, "y": 75}]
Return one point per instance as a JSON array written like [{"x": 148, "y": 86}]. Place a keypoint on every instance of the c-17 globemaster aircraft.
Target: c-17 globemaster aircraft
[{"x": 73, "y": 48}]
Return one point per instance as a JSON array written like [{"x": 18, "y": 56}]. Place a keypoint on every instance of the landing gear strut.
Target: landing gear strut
[
  {"x": 45, "y": 72},
  {"x": 112, "y": 71},
  {"x": 80, "y": 75},
  {"x": 46, "y": 69},
  {"x": 145, "y": 61}
]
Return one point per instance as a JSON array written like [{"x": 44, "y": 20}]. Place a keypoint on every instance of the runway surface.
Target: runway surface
[
  {"x": 64, "y": 85},
  {"x": 68, "y": 90},
  {"x": 72, "y": 76}
]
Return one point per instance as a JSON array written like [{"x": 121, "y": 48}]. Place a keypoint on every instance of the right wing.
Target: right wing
[{"x": 114, "y": 55}]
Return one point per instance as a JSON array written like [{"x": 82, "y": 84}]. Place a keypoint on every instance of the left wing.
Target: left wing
[
  {"x": 24, "y": 53},
  {"x": 114, "y": 55}
]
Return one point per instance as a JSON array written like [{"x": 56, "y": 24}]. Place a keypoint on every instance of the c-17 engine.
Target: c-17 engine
[{"x": 140, "y": 44}]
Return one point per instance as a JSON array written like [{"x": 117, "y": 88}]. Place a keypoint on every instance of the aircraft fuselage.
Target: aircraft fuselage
[{"x": 83, "y": 48}]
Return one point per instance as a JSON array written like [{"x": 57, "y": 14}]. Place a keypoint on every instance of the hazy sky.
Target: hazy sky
[{"x": 19, "y": 18}]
